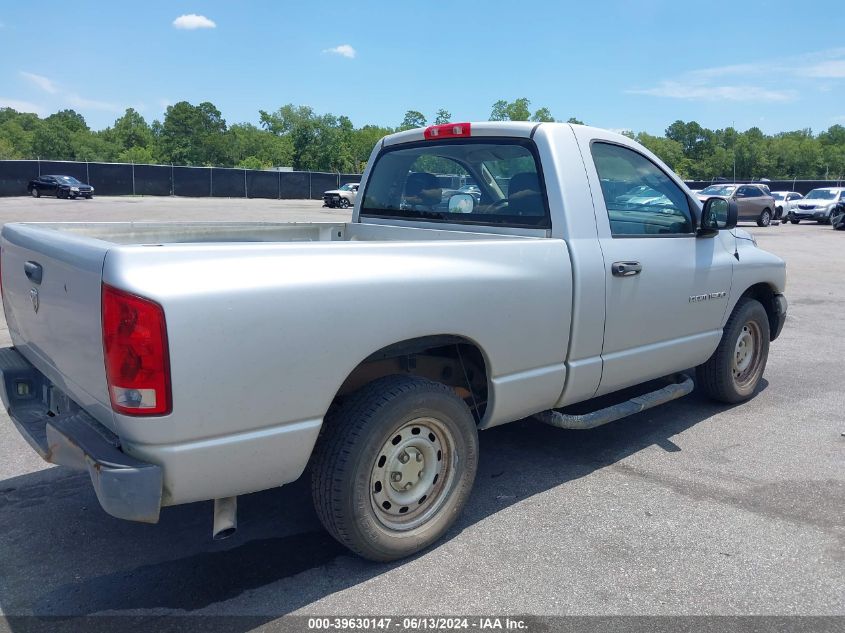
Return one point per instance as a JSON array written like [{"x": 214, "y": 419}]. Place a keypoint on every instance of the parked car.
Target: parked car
[
  {"x": 817, "y": 205},
  {"x": 343, "y": 197},
  {"x": 837, "y": 216},
  {"x": 59, "y": 186},
  {"x": 755, "y": 203},
  {"x": 785, "y": 201},
  {"x": 231, "y": 356}
]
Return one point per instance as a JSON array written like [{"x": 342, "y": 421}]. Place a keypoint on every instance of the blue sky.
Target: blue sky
[{"x": 634, "y": 65}]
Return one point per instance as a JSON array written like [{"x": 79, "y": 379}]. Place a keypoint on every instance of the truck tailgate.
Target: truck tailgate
[{"x": 51, "y": 297}]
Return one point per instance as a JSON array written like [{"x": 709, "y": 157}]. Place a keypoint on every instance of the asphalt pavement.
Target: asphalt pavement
[{"x": 692, "y": 508}]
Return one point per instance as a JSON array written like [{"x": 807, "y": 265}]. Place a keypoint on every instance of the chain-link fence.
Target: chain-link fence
[{"x": 125, "y": 179}]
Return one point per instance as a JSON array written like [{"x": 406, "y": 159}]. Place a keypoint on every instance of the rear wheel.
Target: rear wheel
[
  {"x": 765, "y": 218},
  {"x": 734, "y": 370},
  {"x": 394, "y": 466},
  {"x": 794, "y": 220}
]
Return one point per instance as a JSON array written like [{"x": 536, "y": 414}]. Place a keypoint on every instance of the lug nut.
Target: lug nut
[
  {"x": 404, "y": 457},
  {"x": 395, "y": 476},
  {"x": 408, "y": 485},
  {"x": 419, "y": 457}
]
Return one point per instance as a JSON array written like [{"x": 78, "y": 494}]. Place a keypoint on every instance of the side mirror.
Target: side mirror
[
  {"x": 461, "y": 203},
  {"x": 718, "y": 214}
]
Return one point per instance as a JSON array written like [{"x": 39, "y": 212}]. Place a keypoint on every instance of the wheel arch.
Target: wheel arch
[
  {"x": 454, "y": 360},
  {"x": 765, "y": 294}
]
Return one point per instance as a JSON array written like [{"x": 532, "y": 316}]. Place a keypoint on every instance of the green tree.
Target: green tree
[
  {"x": 442, "y": 116},
  {"x": 518, "y": 110},
  {"x": 193, "y": 135},
  {"x": 413, "y": 119},
  {"x": 574, "y": 121},
  {"x": 137, "y": 155},
  {"x": 131, "y": 130}
]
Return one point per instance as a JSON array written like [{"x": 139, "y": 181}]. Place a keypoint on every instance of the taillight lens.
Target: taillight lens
[{"x": 135, "y": 349}]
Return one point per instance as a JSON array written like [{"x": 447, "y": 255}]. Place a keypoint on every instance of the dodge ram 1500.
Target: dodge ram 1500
[{"x": 200, "y": 361}]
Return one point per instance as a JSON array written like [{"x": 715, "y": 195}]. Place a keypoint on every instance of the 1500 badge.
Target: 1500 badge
[{"x": 711, "y": 295}]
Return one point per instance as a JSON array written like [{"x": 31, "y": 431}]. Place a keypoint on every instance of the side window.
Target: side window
[
  {"x": 744, "y": 192},
  {"x": 640, "y": 198}
]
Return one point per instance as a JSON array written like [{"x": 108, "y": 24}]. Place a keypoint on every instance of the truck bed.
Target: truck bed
[
  {"x": 266, "y": 321},
  {"x": 157, "y": 233}
]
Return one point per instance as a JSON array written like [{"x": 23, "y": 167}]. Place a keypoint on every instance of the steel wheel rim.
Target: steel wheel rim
[
  {"x": 746, "y": 356},
  {"x": 413, "y": 473}
]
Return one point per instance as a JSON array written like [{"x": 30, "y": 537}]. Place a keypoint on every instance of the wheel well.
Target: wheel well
[
  {"x": 451, "y": 360},
  {"x": 764, "y": 293}
]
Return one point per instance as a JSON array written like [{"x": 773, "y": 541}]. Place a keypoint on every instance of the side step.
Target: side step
[{"x": 681, "y": 386}]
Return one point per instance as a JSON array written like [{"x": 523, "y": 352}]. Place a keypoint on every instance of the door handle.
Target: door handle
[
  {"x": 33, "y": 271},
  {"x": 625, "y": 269}
]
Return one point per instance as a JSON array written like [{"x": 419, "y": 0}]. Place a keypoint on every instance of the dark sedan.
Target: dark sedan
[{"x": 59, "y": 186}]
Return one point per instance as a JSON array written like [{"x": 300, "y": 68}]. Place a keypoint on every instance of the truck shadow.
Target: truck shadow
[{"x": 62, "y": 556}]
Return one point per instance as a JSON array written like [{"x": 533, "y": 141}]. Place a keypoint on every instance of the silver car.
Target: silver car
[
  {"x": 755, "y": 202},
  {"x": 817, "y": 205}
]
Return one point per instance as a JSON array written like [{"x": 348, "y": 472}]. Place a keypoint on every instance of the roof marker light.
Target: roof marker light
[{"x": 447, "y": 130}]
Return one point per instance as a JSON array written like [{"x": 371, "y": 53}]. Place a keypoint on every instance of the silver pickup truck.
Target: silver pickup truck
[{"x": 200, "y": 361}]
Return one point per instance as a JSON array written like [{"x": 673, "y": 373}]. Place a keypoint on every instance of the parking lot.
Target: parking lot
[{"x": 691, "y": 508}]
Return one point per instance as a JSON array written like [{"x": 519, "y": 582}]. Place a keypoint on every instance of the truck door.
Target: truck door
[{"x": 666, "y": 288}]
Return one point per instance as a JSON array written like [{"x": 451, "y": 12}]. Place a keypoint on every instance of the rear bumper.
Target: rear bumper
[{"x": 126, "y": 487}]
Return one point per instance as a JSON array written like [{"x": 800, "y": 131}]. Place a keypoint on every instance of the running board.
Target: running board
[{"x": 683, "y": 385}]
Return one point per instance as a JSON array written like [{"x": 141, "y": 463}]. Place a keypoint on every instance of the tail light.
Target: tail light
[
  {"x": 447, "y": 130},
  {"x": 135, "y": 349}
]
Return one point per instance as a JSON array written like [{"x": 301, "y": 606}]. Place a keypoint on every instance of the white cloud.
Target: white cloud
[
  {"x": 21, "y": 106},
  {"x": 90, "y": 104},
  {"x": 47, "y": 85},
  {"x": 834, "y": 69},
  {"x": 344, "y": 50},
  {"x": 192, "y": 21},
  {"x": 707, "y": 92},
  {"x": 752, "y": 81}
]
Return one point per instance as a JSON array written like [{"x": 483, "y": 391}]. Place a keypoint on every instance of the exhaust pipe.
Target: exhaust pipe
[{"x": 225, "y": 518}]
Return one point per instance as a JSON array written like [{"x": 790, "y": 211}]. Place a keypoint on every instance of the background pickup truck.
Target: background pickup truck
[{"x": 186, "y": 362}]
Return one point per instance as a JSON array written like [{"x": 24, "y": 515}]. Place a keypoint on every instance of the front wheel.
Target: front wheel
[
  {"x": 88, "y": 196},
  {"x": 734, "y": 370},
  {"x": 35, "y": 193},
  {"x": 765, "y": 218},
  {"x": 394, "y": 466},
  {"x": 344, "y": 203}
]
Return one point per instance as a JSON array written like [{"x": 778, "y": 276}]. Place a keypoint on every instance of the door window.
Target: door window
[{"x": 641, "y": 199}]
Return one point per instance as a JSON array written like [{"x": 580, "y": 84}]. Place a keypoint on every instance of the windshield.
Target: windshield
[
  {"x": 347, "y": 187},
  {"x": 822, "y": 194},
  {"x": 70, "y": 180},
  {"x": 419, "y": 181},
  {"x": 718, "y": 190},
  {"x": 778, "y": 196}
]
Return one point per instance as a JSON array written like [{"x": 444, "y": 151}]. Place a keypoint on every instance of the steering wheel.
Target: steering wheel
[{"x": 498, "y": 206}]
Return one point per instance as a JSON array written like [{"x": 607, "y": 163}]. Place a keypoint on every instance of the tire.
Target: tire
[
  {"x": 369, "y": 441},
  {"x": 765, "y": 218},
  {"x": 344, "y": 203},
  {"x": 779, "y": 213},
  {"x": 89, "y": 196},
  {"x": 35, "y": 193},
  {"x": 733, "y": 372},
  {"x": 795, "y": 220}
]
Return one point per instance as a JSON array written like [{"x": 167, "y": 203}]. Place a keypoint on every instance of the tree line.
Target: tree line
[{"x": 299, "y": 137}]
